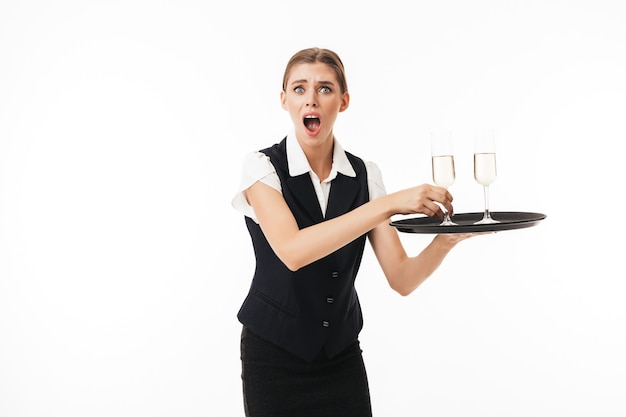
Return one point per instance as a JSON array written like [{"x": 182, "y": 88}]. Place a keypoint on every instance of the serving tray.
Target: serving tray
[{"x": 507, "y": 220}]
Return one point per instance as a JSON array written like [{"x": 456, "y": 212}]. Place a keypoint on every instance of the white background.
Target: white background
[{"x": 123, "y": 125}]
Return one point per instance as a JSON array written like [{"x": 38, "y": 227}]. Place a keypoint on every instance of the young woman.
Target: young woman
[{"x": 309, "y": 207}]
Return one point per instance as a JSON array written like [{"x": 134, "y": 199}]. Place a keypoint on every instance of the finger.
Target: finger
[
  {"x": 442, "y": 200},
  {"x": 441, "y": 195},
  {"x": 429, "y": 208},
  {"x": 449, "y": 196},
  {"x": 433, "y": 209},
  {"x": 436, "y": 197}
]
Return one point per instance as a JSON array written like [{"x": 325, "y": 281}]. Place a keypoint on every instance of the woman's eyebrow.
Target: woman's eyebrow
[{"x": 304, "y": 81}]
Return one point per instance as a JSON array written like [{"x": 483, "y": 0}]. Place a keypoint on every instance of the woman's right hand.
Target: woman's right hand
[{"x": 423, "y": 199}]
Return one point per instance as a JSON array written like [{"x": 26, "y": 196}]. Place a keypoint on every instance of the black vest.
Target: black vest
[{"x": 317, "y": 306}]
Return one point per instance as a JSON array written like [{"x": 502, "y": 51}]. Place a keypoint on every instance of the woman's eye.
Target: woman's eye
[
  {"x": 298, "y": 90},
  {"x": 324, "y": 90}
]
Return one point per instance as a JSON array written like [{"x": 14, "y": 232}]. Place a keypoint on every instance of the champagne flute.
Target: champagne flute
[
  {"x": 485, "y": 167},
  {"x": 443, "y": 164}
]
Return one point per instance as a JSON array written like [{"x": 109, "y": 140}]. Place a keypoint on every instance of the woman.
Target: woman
[{"x": 309, "y": 207}]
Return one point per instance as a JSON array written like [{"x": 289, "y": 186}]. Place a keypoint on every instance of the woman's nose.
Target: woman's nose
[{"x": 311, "y": 100}]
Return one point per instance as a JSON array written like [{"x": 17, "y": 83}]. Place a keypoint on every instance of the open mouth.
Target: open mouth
[{"x": 312, "y": 123}]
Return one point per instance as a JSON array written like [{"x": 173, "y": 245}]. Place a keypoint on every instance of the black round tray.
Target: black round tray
[{"x": 508, "y": 220}]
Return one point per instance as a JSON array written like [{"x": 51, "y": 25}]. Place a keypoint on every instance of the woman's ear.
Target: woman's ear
[
  {"x": 345, "y": 101},
  {"x": 283, "y": 99}
]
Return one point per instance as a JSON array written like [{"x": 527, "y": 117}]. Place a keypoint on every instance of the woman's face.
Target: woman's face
[{"x": 313, "y": 99}]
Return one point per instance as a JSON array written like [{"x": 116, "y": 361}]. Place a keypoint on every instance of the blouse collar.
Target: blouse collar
[{"x": 298, "y": 164}]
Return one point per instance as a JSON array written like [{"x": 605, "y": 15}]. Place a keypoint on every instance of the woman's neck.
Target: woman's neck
[{"x": 320, "y": 159}]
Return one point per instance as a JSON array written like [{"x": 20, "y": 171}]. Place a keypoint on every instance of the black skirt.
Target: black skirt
[{"x": 279, "y": 384}]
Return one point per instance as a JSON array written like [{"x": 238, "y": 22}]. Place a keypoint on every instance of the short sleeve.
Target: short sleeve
[
  {"x": 375, "y": 180},
  {"x": 256, "y": 167}
]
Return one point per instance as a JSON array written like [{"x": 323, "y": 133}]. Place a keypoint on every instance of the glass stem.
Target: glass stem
[{"x": 486, "y": 193}]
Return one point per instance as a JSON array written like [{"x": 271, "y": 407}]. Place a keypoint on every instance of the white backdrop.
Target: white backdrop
[{"x": 123, "y": 125}]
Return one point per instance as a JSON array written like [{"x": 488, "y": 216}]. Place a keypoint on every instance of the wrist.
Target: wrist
[{"x": 446, "y": 241}]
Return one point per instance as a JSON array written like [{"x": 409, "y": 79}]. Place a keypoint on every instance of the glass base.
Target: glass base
[
  {"x": 486, "y": 220},
  {"x": 448, "y": 223}
]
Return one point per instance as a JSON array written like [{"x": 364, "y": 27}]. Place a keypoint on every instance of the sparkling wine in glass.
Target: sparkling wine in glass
[
  {"x": 443, "y": 164},
  {"x": 485, "y": 167}
]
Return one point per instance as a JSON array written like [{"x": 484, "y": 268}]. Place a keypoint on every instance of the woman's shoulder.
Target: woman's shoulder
[{"x": 256, "y": 164}]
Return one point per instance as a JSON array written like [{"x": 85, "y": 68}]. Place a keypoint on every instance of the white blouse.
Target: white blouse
[{"x": 258, "y": 167}]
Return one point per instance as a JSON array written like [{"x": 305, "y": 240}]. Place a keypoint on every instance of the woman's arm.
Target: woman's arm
[
  {"x": 297, "y": 248},
  {"x": 404, "y": 273}
]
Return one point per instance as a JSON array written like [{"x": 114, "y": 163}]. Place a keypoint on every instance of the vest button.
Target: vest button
[
  {"x": 330, "y": 300},
  {"x": 335, "y": 274},
  {"x": 325, "y": 323}
]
